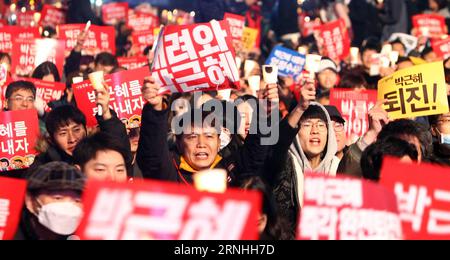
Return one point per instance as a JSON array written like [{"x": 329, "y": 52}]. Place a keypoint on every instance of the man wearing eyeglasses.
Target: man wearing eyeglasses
[
  {"x": 440, "y": 129},
  {"x": 20, "y": 95},
  {"x": 338, "y": 124}
]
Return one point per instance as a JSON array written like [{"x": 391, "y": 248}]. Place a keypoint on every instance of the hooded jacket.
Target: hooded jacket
[{"x": 288, "y": 166}]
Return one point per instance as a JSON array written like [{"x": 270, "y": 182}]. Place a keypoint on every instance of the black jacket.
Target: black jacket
[
  {"x": 156, "y": 162},
  {"x": 80, "y": 11}
]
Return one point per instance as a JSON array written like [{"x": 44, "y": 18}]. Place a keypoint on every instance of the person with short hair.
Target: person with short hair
[{"x": 20, "y": 95}]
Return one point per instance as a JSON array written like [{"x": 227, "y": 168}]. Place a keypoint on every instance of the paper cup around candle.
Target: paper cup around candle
[
  {"x": 238, "y": 62},
  {"x": 249, "y": 66},
  {"x": 387, "y": 49},
  {"x": 354, "y": 53},
  {"x": 313, "y": 64},
  {"x": 97, "y": 79},
  {"x": 76, "y": 80},
  {"x": 254, "y": 82},
  {"x": 225, "y": 94},
  {"x": 303, "y": 50},
  {"x": 211, "y": 181},
  {"x": 393, "y": 56},
  {"x": 270, "y": 74},
  {"x": 385, "y": 62}
]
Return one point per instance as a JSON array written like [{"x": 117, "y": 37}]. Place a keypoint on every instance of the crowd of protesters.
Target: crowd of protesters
[{"x": 311, "y": 132}]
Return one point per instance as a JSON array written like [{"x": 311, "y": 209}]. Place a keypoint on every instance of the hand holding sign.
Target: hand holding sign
[
  {"x": 150, "y": 93},
  {"x": 378, "y": 118}
]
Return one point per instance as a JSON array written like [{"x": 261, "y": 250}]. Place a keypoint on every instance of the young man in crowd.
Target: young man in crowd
[
  {"x": 53, "y": 208},
  {"x": 102, "y": 157}
]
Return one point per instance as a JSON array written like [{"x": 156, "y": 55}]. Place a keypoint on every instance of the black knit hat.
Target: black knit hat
[{"x": 56, "y": 176}]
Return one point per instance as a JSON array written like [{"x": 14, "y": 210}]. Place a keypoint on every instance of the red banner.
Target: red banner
[
  {"x": 9, "y": 33},
  {"x": 25, "y": 57},
  {"x": 196, "y": 57},
  {"x": 142, "y": 40},
  {"x": 334, "y": 40},
  {"x": 19, "y": 131},
  {"x": 125, "y": 96},
  {"x": 166, "y": 211},
  {"x": 99, "y": 39},
  {"x": 348, "y": 209},
  {"x": 12, "y": 196},
  {"x": 308, "y": 25},
  {"x": 133, "y": 62},
  {"x": 442, "y": 48},
  {"x": 237, "y": 24},
  {"x": 26, "y": 19},
  {"x": 430, "y": 25},
  {"x": 52, "y": 16},
  {"x": 48, "y": 91},
  {"x": 114, "y": 12},
  {"x": 139, "y": 21},
  {"x": 423, "y": 195},
  {"x": 354, "y": 107}
]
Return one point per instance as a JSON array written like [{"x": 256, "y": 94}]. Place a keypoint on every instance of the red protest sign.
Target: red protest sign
[
  {"x": 19, "y": 131},
  {"x": 12, "y": 196},
  {"x": 429, "y": 25},
  {"x": 99, "y": 38},
  {"x": 308, "y": 25},
  {"x": 237, "y": 24},
  {"x": 166, "y": 211},
  {"x": 125, "y": 96},
  {"x": 139, "y": 21},
  {"x": 196, "y": 57},
  {"x": 9, "y": 33},
  {"x": 26, "y": 19},
  {"x": 442, "y": 48},
  {"x": 114, "y": 12},
  {"x": 133, "y": 62},
  {"x": 334, "y": 40},
  {"x": 48, "y": 91},
  {"x": 423, "y": 195},
  {"x": 348, "y": 209},
  {"x": 26, "y": 57},
  {"x": 142, "y": 40},
  {"x": 52, "y": 16},
  {"x": 354, "y": 107}
]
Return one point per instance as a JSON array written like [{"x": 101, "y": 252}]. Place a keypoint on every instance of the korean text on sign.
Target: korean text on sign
[
  {"x": 354, "y": 107},
  {"x": 12, "y": 196},
  {"x": 348, "y": 209},
  {"x": 99, "y": 38},
  {"x": 166, "y": 211},
  {"x": 334, "y": 40},
  {"x": 416, "y": 91},
  {"x": 423, "y": 195},
  {"x": 196, "y": 57},
  {"x": 289, "y": 62},
  {"x": 125, "y": 96},
  {"x": 19, "y": 131}
]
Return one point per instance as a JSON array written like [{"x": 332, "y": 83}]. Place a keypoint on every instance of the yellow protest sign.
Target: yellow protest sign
[
  {"x": 249, "y": 38},
  {"x": 417, "y": 91}
]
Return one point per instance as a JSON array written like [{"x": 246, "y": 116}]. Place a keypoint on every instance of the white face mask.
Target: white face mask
[
  {"x": 445, "y": 139},
  {"x": 225, "y": 139},
  {"x": 62, "y": 218}
]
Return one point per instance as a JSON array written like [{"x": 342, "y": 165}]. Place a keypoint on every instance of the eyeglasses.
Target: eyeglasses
[
  {"x": 20, "y": 99},
  {"x": 338, "y": 127},
  {"x": 307, "y": 126}
]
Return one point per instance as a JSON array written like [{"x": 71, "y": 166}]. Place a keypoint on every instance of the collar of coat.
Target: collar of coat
[{"x": 185, "y": 166}]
